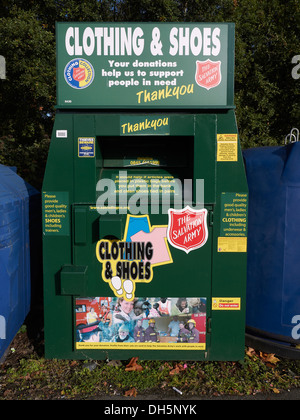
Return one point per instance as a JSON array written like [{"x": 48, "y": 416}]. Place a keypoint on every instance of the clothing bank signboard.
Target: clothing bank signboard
[{"x": 145, "y": 65}]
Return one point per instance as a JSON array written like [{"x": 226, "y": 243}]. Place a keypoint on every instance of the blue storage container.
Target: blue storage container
[
  {"x": 273, "y": 281},
  {"x": 19, "y": 204}
]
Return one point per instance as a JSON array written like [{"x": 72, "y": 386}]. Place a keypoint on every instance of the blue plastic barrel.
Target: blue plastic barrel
[
  {"x": 273, "y": 273},
  {"x": 16, "y": 212}
]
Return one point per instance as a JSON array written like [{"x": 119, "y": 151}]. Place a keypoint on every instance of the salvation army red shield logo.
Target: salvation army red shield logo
[
  {"x": 208, "y": 73},
  {"x": 187, "y": 228},
  {"x": 78, "y": 74}
]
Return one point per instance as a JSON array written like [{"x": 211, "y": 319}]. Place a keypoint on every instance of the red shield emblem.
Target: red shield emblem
[
  {"x": 208, "y": 73},
  {"x": 187, "y": 228},
  {"x": 78, "y": 74}
]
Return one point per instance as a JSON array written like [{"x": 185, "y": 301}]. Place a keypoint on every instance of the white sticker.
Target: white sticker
[{"x": 62, "y": 133}]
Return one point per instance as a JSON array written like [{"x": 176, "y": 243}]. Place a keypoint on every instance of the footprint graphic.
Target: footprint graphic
[
  {"x": 128, "y": 288},
  {"x": 116, "y": 284}
]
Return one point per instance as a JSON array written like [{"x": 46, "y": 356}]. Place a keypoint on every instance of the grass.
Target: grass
[{"x": 25, "y": 374}]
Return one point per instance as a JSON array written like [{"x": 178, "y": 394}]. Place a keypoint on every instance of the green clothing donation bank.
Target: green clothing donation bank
[{"x": 145, "y": 196}]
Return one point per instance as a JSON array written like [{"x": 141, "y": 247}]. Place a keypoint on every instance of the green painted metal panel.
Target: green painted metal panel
[
  {"x": 148, "y": 65},
  {"x": 73, "y": 272}
]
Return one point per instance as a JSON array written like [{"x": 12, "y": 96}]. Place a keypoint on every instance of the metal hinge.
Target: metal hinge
[
  {"x": 208, "y": 325},
  {"x": 211, "y": 218}
]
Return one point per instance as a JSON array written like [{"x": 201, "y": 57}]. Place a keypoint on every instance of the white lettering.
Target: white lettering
[
  {"x": 109, "y": 41},
  {"x": 104, "y": 41},
  {"x": 184, "y": 42},
  {"x": 173, "y": 41},
  {"x": 206, "y": 41},
  {"x": 296, "y": 69},
  {"x": 78, "y": 48},
  {"x": 2, "y": 328},
  {"x": 99, "y": 35},
  {"x": 196, "y": 41},
  {"x": 115, "y": 409},
  {"x": 171, "y": 409},
  {"x": 69, "y": 35},
  {"x": 138, "y": 42},
  {"x": 295, "y": 330},
  {"x": 2, "y": 68},
  {"x": 216, "y": 48},
  {"x": 108, "y": 196},
  {"x": 88, "y": 41}
]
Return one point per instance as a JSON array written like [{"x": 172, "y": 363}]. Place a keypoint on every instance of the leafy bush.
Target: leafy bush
[{"x": 30, "y": 160}]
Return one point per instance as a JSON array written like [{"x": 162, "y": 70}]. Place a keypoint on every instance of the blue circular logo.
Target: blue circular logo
[{"x": 79, "y": 73}]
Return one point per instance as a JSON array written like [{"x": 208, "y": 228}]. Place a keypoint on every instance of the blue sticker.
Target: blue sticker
[{"x": 86, "y": 146}]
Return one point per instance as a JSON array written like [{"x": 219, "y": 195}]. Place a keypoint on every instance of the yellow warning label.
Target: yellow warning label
[
  {"x": 232, "y": 244},
  {"x": 227, "y": 150},
  {"x": 226, "y": 304}
]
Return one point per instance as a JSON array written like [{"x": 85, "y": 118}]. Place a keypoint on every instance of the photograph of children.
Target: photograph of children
[{"x": 142, "y": 320}]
